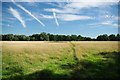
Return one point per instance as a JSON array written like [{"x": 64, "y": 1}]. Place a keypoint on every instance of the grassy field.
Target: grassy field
[{"x": 60, "y": 60}]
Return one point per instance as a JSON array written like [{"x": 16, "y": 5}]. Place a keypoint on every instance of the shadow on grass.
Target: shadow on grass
[
  {"x": 107, "y": 68},
  {"x": 103, "y": 69},
  {"x": 40, "y": 75}
]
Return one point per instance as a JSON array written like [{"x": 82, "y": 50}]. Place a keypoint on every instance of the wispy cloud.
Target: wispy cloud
[
  {"x": 28, "y": 12},
  {"x": 94, "y": 3},
  {"x": 94, "y": 0},
  {"x": 109, "y": 23},
  {"x": 57, "y": 4},
  {"x": 16, "y": 14},
  {"x": 75, "y": 6},
  {"x": 71, "y": 17},
  {"x": 26, "y": 0},
  {"x": 64, "y": 0},
  {"x": 45, "y": 16},
  {"x": 63, "y": 11},
  {"x": 104, "y": 23},
  {"x": 65, "y": 17},
  {"x": 54, "y": 15},
  {"x": 72, "y": 11}
]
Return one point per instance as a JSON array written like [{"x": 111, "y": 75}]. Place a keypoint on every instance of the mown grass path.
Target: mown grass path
[{"x": 74, "y": 52}]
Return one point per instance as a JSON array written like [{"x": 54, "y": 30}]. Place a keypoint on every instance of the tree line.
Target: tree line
[{"x": 52, "y": 37}]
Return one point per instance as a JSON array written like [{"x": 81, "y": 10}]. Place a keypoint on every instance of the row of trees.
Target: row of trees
[{"x": 51, "y": 37}]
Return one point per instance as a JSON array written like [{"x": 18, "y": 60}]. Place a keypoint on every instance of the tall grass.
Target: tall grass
[{"x": 23, "y": 59}]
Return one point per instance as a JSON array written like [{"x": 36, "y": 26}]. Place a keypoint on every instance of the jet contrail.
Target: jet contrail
[
  {"x": 54, "y": 15},
  {"x": 28, "y": 12},
  {"x": 16, "y": 14}
]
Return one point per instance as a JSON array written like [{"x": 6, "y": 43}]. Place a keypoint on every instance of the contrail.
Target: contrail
[
  {"x": 54, "y": 15},
  {"x": 28, "y": 12},
  {"x": 16, "y": 14}
]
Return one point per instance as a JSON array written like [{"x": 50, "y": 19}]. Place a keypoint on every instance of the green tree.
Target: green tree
[
  {"x": 118, "y": 37},
  {"x": 73, "y": 37},
  {"x": 9, "y": 37},
  {"x": 112, "y": 37},
  {"x": 80, "y": 38},
  {"x": 44, "y": 37},
  {"x": 103, "y": 37}
]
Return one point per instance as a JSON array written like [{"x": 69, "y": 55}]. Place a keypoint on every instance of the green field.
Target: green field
[{"x": 37, "y": 60}]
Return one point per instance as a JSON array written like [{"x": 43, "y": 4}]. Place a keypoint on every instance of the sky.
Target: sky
[{"x": 88, "y": 19}]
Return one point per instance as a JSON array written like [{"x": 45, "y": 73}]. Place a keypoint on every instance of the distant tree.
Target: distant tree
[
  {"x": 0, "y": 37},
  {"x": 61, "y": 37},
  {"x": 87, "y": 39},
  {"x": 93, "y": 39},
  {"x": 68, "y": 38},
  {"x": 112, "y": 37},
  {"x": 118, "y": 37},
  {"x": 22, "y": 37},
  {"x": 44, "y": 37},
  {"x": 35, "y": 37},
  {"x": 16, "y": 38},
  {"x": 73, "y": 37},
  {"x": 80, "y": 38},
  {"x": 55, "y": 37},
  {"x": 32, "y": 38},
  {"x": 8, "y": 37},
  {"x": 103, "y": 37},
  {"x": 27, "y": 38},
  {"x": 51, "y": 37}
]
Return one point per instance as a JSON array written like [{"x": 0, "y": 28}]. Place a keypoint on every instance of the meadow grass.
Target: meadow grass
[{"x": 32, "y": 60}]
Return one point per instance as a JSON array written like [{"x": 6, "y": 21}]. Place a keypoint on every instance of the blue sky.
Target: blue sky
[{"x": 85, "y": 18}]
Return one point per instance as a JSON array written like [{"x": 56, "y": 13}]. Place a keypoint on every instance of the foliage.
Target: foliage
[{"x": 52, "y": 37}]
